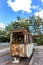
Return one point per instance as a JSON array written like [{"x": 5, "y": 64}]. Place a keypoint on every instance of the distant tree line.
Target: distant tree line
[
  {"x": 4, "y": 37},
  {"x": 33, "y": 24}
]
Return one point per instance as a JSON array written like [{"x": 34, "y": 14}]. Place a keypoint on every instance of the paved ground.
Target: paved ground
[
  {"x": 37, "y": 60},
  {"x": 6, "y": 60},
  {"x": 38, "y": 57}
]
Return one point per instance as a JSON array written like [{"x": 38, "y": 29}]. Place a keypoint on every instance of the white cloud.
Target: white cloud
[
  {"x": 35, "y": 7},
  {"x": 42, "y": 0},
  {"x": 2, "y": 26},
  {"x": 40, "y": 13},
  {"x": 17, "y": 5}
]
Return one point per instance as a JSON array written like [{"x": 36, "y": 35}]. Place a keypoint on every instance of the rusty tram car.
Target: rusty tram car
[{"x": 21, "y": 43}]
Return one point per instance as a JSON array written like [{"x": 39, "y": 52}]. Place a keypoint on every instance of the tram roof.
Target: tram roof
[{"x": 20, "y": 31}]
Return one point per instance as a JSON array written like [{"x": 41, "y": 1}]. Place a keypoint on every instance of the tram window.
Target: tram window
[
  {"x": 26, "y": 38},
  {"x": 18, "y": 39},
  {"x": 14, "y": 37},
  {"x": 30, "y": 39}
]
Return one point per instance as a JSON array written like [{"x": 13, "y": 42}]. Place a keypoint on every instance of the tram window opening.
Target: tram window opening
[
  {"x": 18, "y": 38},
  {"x": 30, "y": 39},
  {"x": 27, "y": 38}
]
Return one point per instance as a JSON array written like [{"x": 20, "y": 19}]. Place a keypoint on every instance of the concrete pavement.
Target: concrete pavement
[
  {"x": 4, "y": 51},
  {"x": 37, "y": 58}
]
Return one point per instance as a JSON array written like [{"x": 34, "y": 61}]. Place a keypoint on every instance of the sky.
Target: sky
[{"x": 10, "y": 9}]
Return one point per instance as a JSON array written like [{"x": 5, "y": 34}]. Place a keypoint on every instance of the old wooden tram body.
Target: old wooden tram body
[{"x": 21, "y": 43}]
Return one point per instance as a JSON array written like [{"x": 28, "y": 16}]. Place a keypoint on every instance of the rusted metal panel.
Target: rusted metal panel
[
  {"x": 18, "y": 31},
  {"x": 22, "y": 50},
  {"x": 17, "y": 49}
]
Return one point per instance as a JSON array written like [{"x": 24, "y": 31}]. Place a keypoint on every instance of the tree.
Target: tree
[
  {"x": 18, "y": 17},
  {"x": 22, "y": 24},
  {"x": 3, "y": 36},
  {"x": 37, "y": 24}
]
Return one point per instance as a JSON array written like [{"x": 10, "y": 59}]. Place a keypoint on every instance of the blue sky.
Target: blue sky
[{"x": 10, "y": 9}]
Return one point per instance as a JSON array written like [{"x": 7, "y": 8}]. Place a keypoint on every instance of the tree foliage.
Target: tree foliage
[
  {"x": 33, "y": 24},
  {"x": 37, "y": 24},
  {"x": 18, "y": 25}
]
